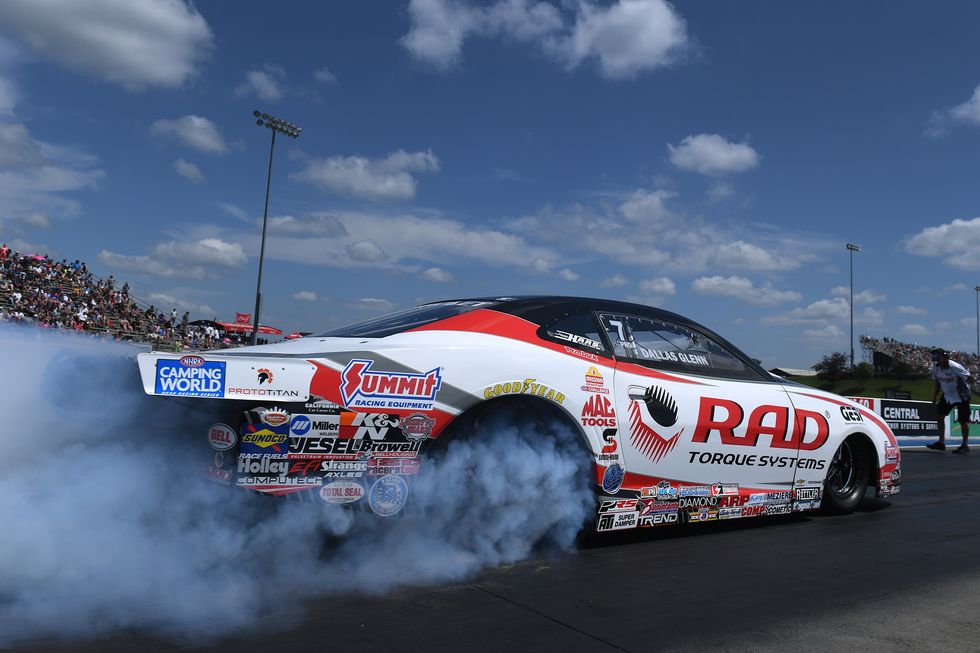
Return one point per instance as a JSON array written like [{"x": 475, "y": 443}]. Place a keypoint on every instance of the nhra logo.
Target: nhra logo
[
  {"x": 598, "y": 411},
  {"x": 192, "y": 361},
  {"x": 363, "y": 388}
]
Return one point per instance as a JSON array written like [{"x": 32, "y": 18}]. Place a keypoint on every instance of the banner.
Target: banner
[
  {"x": 906, "y": 417},
  {"x": 243, "y": 318}
]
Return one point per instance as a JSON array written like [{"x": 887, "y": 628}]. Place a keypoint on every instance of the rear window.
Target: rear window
[{"x": 406, "y": 320}]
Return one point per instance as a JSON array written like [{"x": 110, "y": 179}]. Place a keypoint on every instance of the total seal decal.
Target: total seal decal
[
  {"x": 388, "y": 495},
  {"x": 190, "y": 376},
  {"x": 342, "y": 492},
  {"x": 221, "y": 437},
  {"x": 363, "y": 388}
]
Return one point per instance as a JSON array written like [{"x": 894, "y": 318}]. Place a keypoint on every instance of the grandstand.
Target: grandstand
[
  {"x": 34, "y": 289},
  {"x": 892, "y": 357}
]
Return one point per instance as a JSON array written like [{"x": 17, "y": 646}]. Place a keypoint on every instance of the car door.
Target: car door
[{"x": 705, "y": 433}]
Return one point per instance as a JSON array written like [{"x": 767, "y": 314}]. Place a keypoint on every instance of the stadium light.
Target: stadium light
[
  {"x": 851, "y": 248},
  {"x": 280, "y": 126}
]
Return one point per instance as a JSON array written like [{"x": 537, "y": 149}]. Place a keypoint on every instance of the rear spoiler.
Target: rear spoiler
[{"x": 215, "y": 376}]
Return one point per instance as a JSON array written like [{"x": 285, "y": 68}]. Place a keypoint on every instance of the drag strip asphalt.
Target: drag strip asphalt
[{"x": 898, "y": 575}]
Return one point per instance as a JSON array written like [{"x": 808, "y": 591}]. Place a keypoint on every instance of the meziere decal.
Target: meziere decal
[{"x": 362, "y": 388}]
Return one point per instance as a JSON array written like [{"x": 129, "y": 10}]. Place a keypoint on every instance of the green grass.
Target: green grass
[{"x": 875, "y": 387}]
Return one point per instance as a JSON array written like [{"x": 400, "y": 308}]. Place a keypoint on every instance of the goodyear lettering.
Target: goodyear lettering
[{"x": 527, "y": 387}]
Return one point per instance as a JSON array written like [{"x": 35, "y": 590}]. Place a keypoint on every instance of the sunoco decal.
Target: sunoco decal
[
  {"x": 363, "y": 388},
  {"x": 190, "y": 376}
]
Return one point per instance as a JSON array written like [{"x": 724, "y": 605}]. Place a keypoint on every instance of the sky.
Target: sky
[{"x": 711, "y": 158}]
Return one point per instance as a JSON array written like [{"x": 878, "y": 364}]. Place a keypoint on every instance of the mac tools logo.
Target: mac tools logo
[{"x": 362, "y": 388}]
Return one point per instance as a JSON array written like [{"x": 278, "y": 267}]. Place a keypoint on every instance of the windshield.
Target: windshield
[{"x": 411, "y": 318}]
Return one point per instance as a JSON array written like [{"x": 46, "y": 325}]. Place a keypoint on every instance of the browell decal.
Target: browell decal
[
  {"x": 363, "y": 388},
  {"x": 723, "y": 416}
]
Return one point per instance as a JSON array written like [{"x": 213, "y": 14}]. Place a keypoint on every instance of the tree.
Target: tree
[
  {"x": 832, "y": 367},
  {"x": 863, "y": 371}
]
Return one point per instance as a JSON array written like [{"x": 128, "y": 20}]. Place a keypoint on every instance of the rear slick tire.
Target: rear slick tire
[{"x": 847, "y": 478}]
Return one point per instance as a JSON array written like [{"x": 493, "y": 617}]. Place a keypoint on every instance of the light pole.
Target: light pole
[
  {"x": 288, "y": 129},
  {"x": 977, "y": 288},
  {"x": 851, "y": 248}
]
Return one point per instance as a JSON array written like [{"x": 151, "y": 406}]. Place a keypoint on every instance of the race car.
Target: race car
[{"x": 678, "y": 425}]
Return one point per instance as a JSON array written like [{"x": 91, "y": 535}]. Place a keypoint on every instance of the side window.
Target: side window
[
  {"x": 578, "y": 330},
  {"x": 666, "y": 345}
]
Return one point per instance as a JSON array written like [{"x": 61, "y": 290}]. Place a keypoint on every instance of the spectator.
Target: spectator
[{"x": 952, "y": 391}]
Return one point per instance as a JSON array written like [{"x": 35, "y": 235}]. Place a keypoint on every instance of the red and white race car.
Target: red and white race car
[{"x": 679, "y": 425}]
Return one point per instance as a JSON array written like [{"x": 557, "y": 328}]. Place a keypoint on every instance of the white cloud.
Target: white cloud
[
  {"x": 626, "y": 38},
  {"x": 374, "y": 179},
  {"x": 305, "y": 296},
  {"x": 366, "y": 251},
  {"x": 37, "y": 219},
  {"x": 744, "y": 289},
  {"x": 437, "y": 274},
  {"x": 829, "y": 332},
  {"x": 869, "y": 317},
  {"x": 967, "y": 112},
  {"x": 373, "y": 304},
  {"x": 658, "y": 286},
  {"x": 266, "y": 84},
  {"x": 740, "y": 255},
  {"x": 134, "y": 44},
  {"x": 863, "y": 297},
  {"x": 188, "y": 171},
  {"x": 195, "y": 259},
  {"x": 317, "y": 224},
  {"x": 914, "y": 330},
  {"x": 18, "y": 149},
  {"x": 909, "y": 310},
  {"x": 232, "y": 210},
  {"x": 325, "y": 76},
  {"x": 720, "y": 191},
  {"x": 181, "y": 303},
  {"x": 956, "y": 243},
  {"x": 819, "y": 311},
  {"x": 712, "y": 155},
  {"x": 568, "y": 275},
  {"x": 614, "y": 281},
  {"x": 647, "y": 206},
  {"x": 193, "y": 131},
  {"x": 8, "y": 97}
]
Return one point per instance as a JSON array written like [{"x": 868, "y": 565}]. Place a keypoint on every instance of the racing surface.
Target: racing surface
[{"x": 897, "y": 575}]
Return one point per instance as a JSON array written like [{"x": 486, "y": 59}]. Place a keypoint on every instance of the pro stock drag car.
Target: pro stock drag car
[{"x": 681, "y": 426}]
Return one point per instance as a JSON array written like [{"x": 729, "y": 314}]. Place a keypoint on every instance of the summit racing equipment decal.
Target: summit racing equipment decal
[
  {"x": 191, "y": 376},
  {"x": 362, "y": 388}
]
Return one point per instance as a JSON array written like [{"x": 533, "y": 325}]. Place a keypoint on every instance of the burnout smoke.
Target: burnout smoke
[{"x": 106, "y": 527}]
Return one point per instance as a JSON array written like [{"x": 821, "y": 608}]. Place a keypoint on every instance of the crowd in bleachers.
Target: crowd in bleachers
[
  {"x": 34, "y": 289},
  {"x": 917, "y": 356}
]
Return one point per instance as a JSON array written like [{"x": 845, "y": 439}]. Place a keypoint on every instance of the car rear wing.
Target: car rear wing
[{"x": 215, "y": 376}]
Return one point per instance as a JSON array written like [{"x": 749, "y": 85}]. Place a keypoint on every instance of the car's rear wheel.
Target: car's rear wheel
[{"x": 847, "y": 478}]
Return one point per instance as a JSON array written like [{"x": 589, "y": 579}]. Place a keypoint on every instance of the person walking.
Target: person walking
[{"x": 952, "y": 391}]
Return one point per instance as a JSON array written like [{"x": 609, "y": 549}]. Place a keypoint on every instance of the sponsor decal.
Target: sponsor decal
[
  {"x": 608, "y": 451},
  {"x": 800, "y": 506},
  {"x": 757, "y": 497},
  {"x": 320, "y": 406},
  {"x": 263, "y": 392},
  {"x": 343, "y": 468},
  {"x": 781, "y": 509},
  {"x": 388, "y": 495},
  {"x": 176, "y": 379},
  {"x": 264, "y": 375},
  {"x": 754, "y": 460},
  {"x": 910, "y": 417},
  {"x": 263, "y": 465},
  {"x": 598, "y": 411},
  {"x": 851, "y": 414},
  {"x": 864, "y": 401},
  {"x": 694, "y": 491},
  {"x": 219, "y": 459},
  {"x": 732, "y": 501},
  {"x": 753, "y": 510},
  {"x": 363, "y": 388},
  {"x": 719, "y": 489},
  {"x": 618, "y": 505},
  {"x": 729, "y": 513},
  {"x": 275, "y": 416},
  {"x": 666, "y": 491},
  {"x": 587, "y": 355},
  {"x": 314, "y": 425},
  {"x": 342, "y": 492},
  {"x": 617, "y": 521},
  {"x": 223, "y": 476},
  {"x": 386, "y": 466},
  {"x": 891, "y": 453},
  {"x": 221, "y": 437},
  {"x": 417, "y": 426},
  {"x": 191, "y": 361},
  {"x": 576, "y": 339},
  {"x": 526, "y": 387},
  {"x": 702, "y": 514},
  {"x": 612, "y": 479},
  {"x": 896, "y": 476},
  {"x": 697, "y": 502},
  {"x": 651, "y": 506},
  {"x": 661, "y": 407},
  {"x": 300, "y": 425},
  {"x": 594, "y": 381},
  {"x": 779, "y": 497},
  {"x": 279, "y": 481},
  {"x": 807, "y": 493},
  {"x": 722, "y": 416},
  {"x": 376, "y": 426},
  {"x": 263, "y": 439},
  {"x": 658, "y": 519},
  {"x": 350, "y": 449}
]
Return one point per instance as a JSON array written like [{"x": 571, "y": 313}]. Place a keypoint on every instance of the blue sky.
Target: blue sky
[{"x": 712, "y": 158}]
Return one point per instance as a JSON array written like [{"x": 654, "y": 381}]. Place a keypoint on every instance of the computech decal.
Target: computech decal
[
  {"x": 362, "y": 387},
  {"x": 191, "y": 376}
]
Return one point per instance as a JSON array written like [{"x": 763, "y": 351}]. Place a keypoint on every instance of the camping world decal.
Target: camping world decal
[
  {"x": 191, "y": 376},
  {"x": 362, "y": 387}
]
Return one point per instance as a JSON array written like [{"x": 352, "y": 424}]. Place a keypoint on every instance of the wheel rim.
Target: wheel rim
[{"x": 843, "y": 471}]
